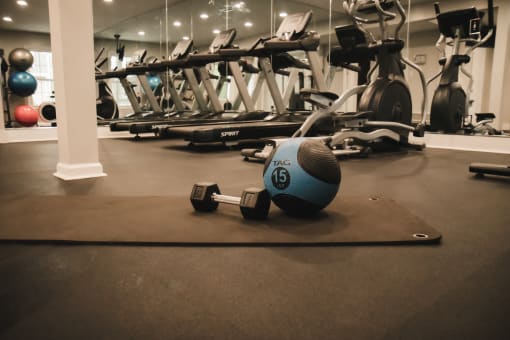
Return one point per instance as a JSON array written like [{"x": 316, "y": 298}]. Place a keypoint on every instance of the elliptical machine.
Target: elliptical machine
[
  {"x": 450, "y": 103},
  {"x": 387, "y": 97},
  {"x": 106, "y": 106},
  {"x": 384, "y": 106}
]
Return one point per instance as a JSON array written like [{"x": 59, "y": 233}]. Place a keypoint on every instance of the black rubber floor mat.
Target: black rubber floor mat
[{"x": 172, "y": 221}]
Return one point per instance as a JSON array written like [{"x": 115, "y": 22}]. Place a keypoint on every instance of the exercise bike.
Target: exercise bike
[
  {"x": 384, "y": 105},
  {"x": 450, "y": 103}
]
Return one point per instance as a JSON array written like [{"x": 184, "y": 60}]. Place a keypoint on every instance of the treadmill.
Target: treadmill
[
  {"x": 180, "y": 53},
  {"x": 291, "y": 36},
  {"x": 216, "y": 112},
  {"x": 251, "y": 74}
]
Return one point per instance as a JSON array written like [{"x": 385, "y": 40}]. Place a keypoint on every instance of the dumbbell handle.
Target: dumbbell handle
[{"x": 226, "y": 199}]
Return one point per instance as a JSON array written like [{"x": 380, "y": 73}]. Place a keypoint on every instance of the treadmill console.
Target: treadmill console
[
  {"x": 138, "y": 56},
  {"x": 182, "y": 49},
  {"x": 223, "y": 40},
  {"x": 293, "y": 26}
]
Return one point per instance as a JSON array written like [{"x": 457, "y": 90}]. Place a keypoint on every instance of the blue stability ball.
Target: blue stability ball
[
  {"x": 22, "y": 83},
  {"x": 154, "y": 81},
  {"x": 302, "y": 176}
]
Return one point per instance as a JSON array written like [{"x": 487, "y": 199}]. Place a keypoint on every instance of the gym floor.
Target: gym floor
[{"x": 457, "y": 289}]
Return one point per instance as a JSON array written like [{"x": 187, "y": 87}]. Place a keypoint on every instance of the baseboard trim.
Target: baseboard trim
[
  {"x": 3, "y": 136},
  {"x": 69, "y": 172},
  {"x": 49, "y": 133},
  {"x": 493, "y": 144}
]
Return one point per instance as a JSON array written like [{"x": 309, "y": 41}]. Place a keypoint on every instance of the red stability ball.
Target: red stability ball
[{"x": 26, "y": 115}]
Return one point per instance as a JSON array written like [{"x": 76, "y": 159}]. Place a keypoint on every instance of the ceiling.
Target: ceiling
[
  {"x": 155, "y": 22},
  {"x": 128, "y": 17}
]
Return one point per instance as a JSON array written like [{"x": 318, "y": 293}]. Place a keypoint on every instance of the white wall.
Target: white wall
[
  {"x": 41, "y": 42},
  {"x": 10, "y": 40}
]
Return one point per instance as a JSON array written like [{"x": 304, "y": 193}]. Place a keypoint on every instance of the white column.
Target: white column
[
  {"x": 481, "y": 69},
  {"x": 72, "y": 45},
  {"x": 499, "y": 100}
]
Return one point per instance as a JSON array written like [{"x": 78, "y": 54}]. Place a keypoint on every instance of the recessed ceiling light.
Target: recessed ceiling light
[
  {"x": 216, "y": 31},
  {"x": 22, "y": 3},
  {"x": 185, "y": 37},
  {"x": 177, "y": 24},
  {"x": 283, "y": 14},
  {"x": 141, "y": 33},
  {"x": 248, "y": 24},
  {"x": 239, "y": 5},
  {"x": 108, "y": 0},
  {"x": 8, "y": 19},
  {"x": 204, "y": 16}
]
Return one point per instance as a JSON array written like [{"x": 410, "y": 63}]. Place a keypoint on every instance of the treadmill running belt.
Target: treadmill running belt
[{"x": 232, "y": 132}]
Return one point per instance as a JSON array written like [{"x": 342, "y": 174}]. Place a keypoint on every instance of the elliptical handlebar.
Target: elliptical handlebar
[
  {"x": 477, "y": 44},
  {"x": 351, "y": 7},
  {"x": 403, "y": 18},
  {"x": 436, "y": 8},
  {"x": 381, "y": 10},
  {"x": 489, "y": 34},
  {"x": 480, "y": 42},
  {"x": 439, "y": 43},
  {"x": 490, "y": 9}
]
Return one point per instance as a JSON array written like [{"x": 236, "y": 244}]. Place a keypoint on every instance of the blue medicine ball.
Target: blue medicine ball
[
  {"x": 154, "y": 81},
  {"x": 302, "y": 176},
  {"x": 22, "y": 83}
]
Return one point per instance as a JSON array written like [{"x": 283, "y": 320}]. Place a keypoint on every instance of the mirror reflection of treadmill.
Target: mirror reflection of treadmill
[
  {"x": 179, "y": 53},
  {"x": 214, "y": 112},
  {"x": 293, "y": 37}
]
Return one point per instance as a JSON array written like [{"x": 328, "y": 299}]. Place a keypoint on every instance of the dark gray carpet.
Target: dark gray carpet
[
  {"x": 455, "y": 290},
  {"x": 172, "y": 220}
]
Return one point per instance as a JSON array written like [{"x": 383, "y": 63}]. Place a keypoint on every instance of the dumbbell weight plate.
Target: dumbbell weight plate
[
  {"x": 201, "y": 196},
  {"x": 255, "y": 203}
]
